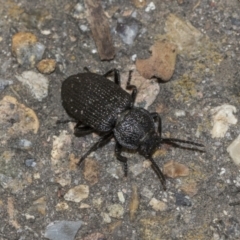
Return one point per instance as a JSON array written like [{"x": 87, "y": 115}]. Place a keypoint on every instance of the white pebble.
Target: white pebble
[{"x": 150, "y": 7}]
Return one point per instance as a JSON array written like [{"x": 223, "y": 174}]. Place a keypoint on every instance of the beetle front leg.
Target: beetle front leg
[
  {"x": 157, "y": 118},
  {"x": 116, "y": 75},
  {"x": 100, "y": 143},
  {"x": 159, "y": 173},
  {"x": 118, "y": 150},
  {"x": 131, "y": 87}
]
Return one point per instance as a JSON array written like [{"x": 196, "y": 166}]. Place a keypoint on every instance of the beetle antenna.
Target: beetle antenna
[
  {"x": 173, "y": 140},
  {"x": 176, "y": 145}
]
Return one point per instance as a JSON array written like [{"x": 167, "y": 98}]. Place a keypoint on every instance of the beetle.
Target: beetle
[{"x": 101, "y": 105}]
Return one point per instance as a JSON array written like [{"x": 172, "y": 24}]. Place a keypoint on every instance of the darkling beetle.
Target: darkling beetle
[{"x": 102, "y": 106}]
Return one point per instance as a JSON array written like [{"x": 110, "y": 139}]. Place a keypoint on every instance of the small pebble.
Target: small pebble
[
  {"x": 146, "y": 192},
  {"x": 234, "y": 150},
  {"x": 46, "y": 66},
  {"x": 137, "y": 169},
  {"x": 77, "y": 194},
  {"x": 134, "y": 57},
  {"x": 61, "y": 206},
  {"x": 222, "y": 118},
  {"x": 115, "y": 211},
  {"x": 26, "y": 48},
  {"x": 25, "y": 144},
  {"x": 22, "y": 119},
  {"x": 60, "y": 147},
  {"x": 158, "y": 205},
  {"x": 180, "y": 113},
  {"x": 127, "y": 28},
  {"x": 46, "y": 32},
  {"x": 78, "y": 11},
  {"x": 62, "y": 230},
  {"x": 106, "y": 217},
  {"x": 148, "y": 90},
  {"x": 84, "y": 28},
  {"x": 84, "y": 206},
  {"x": 150, "y": 7},
  {"x": 36, "y": 82},
  {"x": 5, "y": 83},
  {"x": 235, "y": 21},
  {"x": 29, "y": 217},
  {"x": 121, "y": 197},
  {"x": 94, "y": 51},
  {"x": 30, "y": 162},
  {"x": 182, "y": 200}
]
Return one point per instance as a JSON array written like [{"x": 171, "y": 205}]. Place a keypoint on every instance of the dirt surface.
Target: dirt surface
[{"x": 37, "y": 164}]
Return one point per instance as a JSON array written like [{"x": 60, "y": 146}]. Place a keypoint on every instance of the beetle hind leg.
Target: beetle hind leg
[
  {"x": 100, "y": 143},
  {"x": 80, "y": 130},
  {"x": 118, "y": 150}
]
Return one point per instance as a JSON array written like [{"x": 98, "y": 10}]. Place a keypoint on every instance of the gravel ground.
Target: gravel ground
[{"x": 39, "y": 182}]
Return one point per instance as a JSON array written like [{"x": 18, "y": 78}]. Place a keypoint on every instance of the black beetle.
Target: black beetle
[{"x": 102, "y": 106}]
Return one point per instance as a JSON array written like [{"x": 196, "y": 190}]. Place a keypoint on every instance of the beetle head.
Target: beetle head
[{"x": 149, "y": 144}]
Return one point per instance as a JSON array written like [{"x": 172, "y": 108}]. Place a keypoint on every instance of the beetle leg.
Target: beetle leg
[
  {"x": 157, "y": 118},
  {"x": 116, "y": 75},
  {"x": 100, "y": 143},
  {"x": 86, "y": 69},
  {"x": 80, "y": 131},
  {"x": 131, "y": 87},
  {"x": 118, "y": 150},
  {"x": 159, "y": 173}
]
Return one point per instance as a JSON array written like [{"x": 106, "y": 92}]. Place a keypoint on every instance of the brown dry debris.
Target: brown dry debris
[
  {"x": 139, "y": 3},
  {"x": 94, "y": 236},
  {"x": 40, "y": 205},
  {"x": 113, "y": 226},
  {"x": 174, "y": 169},
  {"x": 162, "y": 62},
  {"x": 180, "y": 2},
  {"x": 189, "y": 188},
  {"x": 100, "y": 29},
  {"x": 134, "y": 203},
  {"x": 91, "y": 171},
  {"x": 73, "y": 162},
  {"x": 12, "y": 213}
]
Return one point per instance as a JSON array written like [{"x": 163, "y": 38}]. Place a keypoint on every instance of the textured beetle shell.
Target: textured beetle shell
[
  {"x": 133, "y": 127},
  {"x": 94, "y": 100}
]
